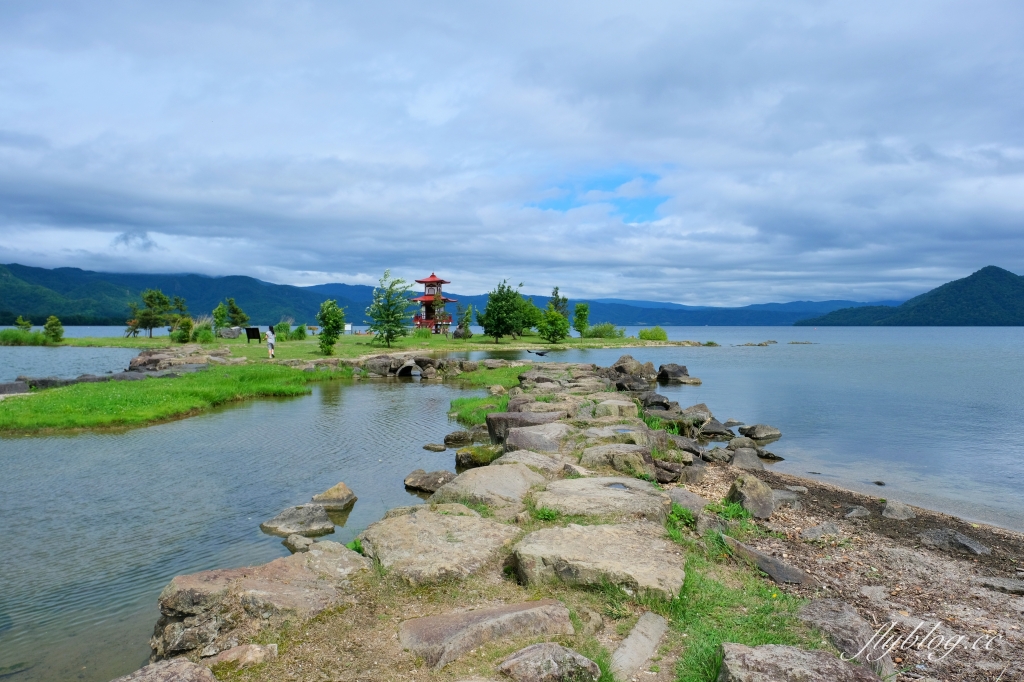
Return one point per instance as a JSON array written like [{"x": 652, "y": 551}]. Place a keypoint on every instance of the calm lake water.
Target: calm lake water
[{"x": 94, "y": 525}]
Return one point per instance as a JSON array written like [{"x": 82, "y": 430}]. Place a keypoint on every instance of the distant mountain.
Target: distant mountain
[{"x": 990, "y": 297}]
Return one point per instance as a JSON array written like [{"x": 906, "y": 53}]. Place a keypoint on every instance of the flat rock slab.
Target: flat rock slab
[
  {"x": 606, "y": 496},
  {"x": 636, "y": 556},
  {"x": 1007, "y": 585},
  {"x": 306, "y": 519},
  {"x": 244, "y": 656},
  {"x": 953, "y": 541},
  {"x": 435, "y": 447},
  {"x": 760, "y": 432},
  {"x": 626, "y": 433},
  {"x": 439, "y": 640},
  {"x": 495, "y": 486},
  {"x": 547, "y": 465},
  {"x": 687, "y": 500},
  {"x": 848, "y": 632},
  {"x": 500, "y": 423},
  {"x": 639, "y": 646},
  {"x": 616, "y": 408},
  {"x": 624, "y": 457},
  {"x": 775, "y": 662},
  {"x": 543, "y": 438},
  {"x": 178, "y": 670},
  {"x": 549, "y": 662},
  {"x": 753, "y": 495},
  {"x": 336, "y": 499},
  {"x": 425, "y": 547},
  {"x": 898, "y": 511},
  {"x": 777, "y": 570},
  {"x": 428, "y": 482}
]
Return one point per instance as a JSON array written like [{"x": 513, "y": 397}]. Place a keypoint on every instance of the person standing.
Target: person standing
[{"x": 270, "y": 342}]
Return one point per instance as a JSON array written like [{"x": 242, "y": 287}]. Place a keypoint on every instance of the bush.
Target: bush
[
  {"x": 53, "y": 330},
  {"x": 653, "y": 334},
  {"x": 23, "y": 324},
  {"x": 332, "y": 324},
  {"x": 283, "y": 331},
  {"x": 19, "y": 337},
  {"x": 298, "y": 334},
  {"x": 183, "y": 332},
  {"x": 202, "y": 330},
  {"x": 421, "y": 333},
  {"x": 605, "y": 330}
]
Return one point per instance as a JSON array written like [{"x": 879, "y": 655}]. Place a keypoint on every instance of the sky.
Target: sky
[{"x": 706, "y": 153}]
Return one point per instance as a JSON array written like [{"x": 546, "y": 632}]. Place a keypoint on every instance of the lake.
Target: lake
[{"x": 94, "y": 525}]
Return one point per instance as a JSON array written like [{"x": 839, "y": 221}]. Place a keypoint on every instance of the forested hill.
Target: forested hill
[
  {"x": 83, "y": 297},
  {"x": 990, "y": 297}
]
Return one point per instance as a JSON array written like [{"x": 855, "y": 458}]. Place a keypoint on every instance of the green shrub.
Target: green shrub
[
  {"x": 355, "y": 546},
  {"x": 53, "y": 330},
  {"x": 421, "y": 333},
  {"x": 202, "y": 332},
  {"x": 332, "y": 324},
  {"x": 283, "y": 330},
  {"x": 545, "y": 514},
  {"x": 183, "y": 331},
  {"x": 653, "y": 334},
  {"x": 17, "y": 337},
  {"x": 605, "y": 330},
  {"x": 23, "y": 324},
  {"x": 298, "y": 334}
]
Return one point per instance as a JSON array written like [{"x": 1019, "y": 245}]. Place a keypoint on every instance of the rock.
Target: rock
[
  {"x": 244, "y": 655},
  {"x": 469, "y": 365},
  {"x": 652, "y": 400},
  {"x": 760, "y": 432},
  {"x": 494, "y": 363},
  {"x": 435, "y": 447},
  {"x": 427, "y": 547},
  {"x": 771, "y": 662},
  {"x": 786, "y": 498},
  {"x": 549, "y": 662},
  {"x": 229, "y": 333},
  {"x": 541, "y": 438},
  {"x": 742, "y": 442},
  {"x": 480, "y": 434},
  {"x": 698, "y": 413},
  {"x": 626, "y": 433},
  {"x": 337, "y": 498},
  {"x": 858, "y": 512},
  {"x": 710, "y": 523},
  {"x": 439, "y": 640},
  {"x": 616, "y": 497},
  {"x": 494, "y": 486},
  {"x": 500, "y": 423},
  {"x": 428, "y": 482},
  {"x": 457, "y": 439},
  {"x": 898, "y": 511},
  {"x": 616, "y": 408},
  {"x": 777, "y": 570},
  {"x": 635, "y": 556},
  {"x": 206, "y": 607},
  {"x": 497, "y": 389},
  {"x": 627, "y": 365},
  {"x": 818, "y": 532},
  {"x": 746, "y": 459},
  {"x": 639, "y": 646},
  {"x": 1007, "y": 585},
  {"x": 629, "y": 459},
  {"x": 753, "y": 495},
  {"x": 672, "y": 373},
  {"x": 764, "y": 454},
  {"x": 953, "y": 541},
  {"x": 715, "y": 430},
  {"x": 667, "y": 472},
  {"x": 685, "y": 444},
  {"x": 177, "y": 670},
  {"x": 545, "y": 464},
  {"x": 694, "y": 473},
  {"x": 306, "y": 519},
  {"x": 687, "y": 500},
  {"x": 732, "y": 422},
  {"x": 447, "y": 509},
  {"x": 848, "y": 632},
  {"x": 632, "y": 384},
  {"x": 14, "y": 387},
  {"x": 591, "y": 621},
  {"x": 297, "y": 543},
  {"x": 797, "y": 489},
  {"x": 477, "y": 455},
  {"x": 717, "y": 455}
]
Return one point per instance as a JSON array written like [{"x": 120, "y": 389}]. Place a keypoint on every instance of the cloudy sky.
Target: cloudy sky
[{"x": 700, "y": 152}]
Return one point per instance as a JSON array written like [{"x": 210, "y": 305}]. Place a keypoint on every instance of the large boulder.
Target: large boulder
[
  {"x": 495, "y": 486},
  {"x": 742, "y": 442},
  {"x": 439, "y": 640},
  {"x": 624, "y": 457},
  {"x": 777, "y": 570},
  {"x": 716, "y": 430},
  {"x": 337, "y": 498},
  {"x": 229, "y": 332},
  {"x": 685, "y": 444},
  {"x": 423, "y": 546},
  {"x": 627, "y": 365},
  {"x": 549, "y": 662},
  {"x": 541, "y": 438},
  {"x": 500, "y": 423},
  {"x": 306, "y": 519},
  {"x": 760, "y": 432},
  {"x": 178, "y": 670},
  {"x": 771, "y": 662},
  {"x": 746, "y": 459},
  {"x": 428, "y": 482},
  {"x": 672, "y": 373},
  {"x": 753, "y": 495},
  {"x": 457, "y": 439},
  {"x": 635, "y": 556},
  {"x": 616, "y": 408},
  {"x": 607, "y": 497},
  {"x": 898, "y": 511},
  {"x": 546, "y": 465},
  {"x": 687, "y": 500},
  {"x": 637, "y": 434},
  {"x": 848, "y": 632}
]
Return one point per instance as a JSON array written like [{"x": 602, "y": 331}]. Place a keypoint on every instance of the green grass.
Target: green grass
[
  {"x": 133, "y": 403},
  {"x": 473, "y": 411},
  {"x": 502, "y": 376},
  {"x": 356, "y": 546},
  {"x": 19, "y": 337}
]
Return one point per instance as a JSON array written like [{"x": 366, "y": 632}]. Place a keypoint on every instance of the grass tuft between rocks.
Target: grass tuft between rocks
[{"x": 473, "y": 411}]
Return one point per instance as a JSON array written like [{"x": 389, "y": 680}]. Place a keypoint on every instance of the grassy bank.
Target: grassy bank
[
  {"x": 132, "y": 403},
  {"x": 20, "y": 337}
]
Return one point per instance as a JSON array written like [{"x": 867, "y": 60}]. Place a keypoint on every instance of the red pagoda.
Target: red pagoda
[{"x": 432, "y": 316}]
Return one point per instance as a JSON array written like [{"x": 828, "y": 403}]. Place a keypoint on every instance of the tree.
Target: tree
[
  {"x": 236, "y": 316},
  {"x": 561, "y": 303},
  {"x": 53, "y": 330},
  {"x": 332, "y": 324},
  {"x": 23, "y": 324},
  {"x": 581, "y": 318},
  {"x": 389, "y": 312},
  {"x": 529, "y": 316},
  {"x": 553, "y": 326},
  {"x": 220, "y": 316},
  {"x": 502, "y": 314},
  {"x": 153, "y": 313}
]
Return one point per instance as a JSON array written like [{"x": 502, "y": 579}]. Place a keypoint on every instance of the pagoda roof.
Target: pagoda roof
[
  {"x": 429, "y": 299},
  {"x": 433, "y": 279}
]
